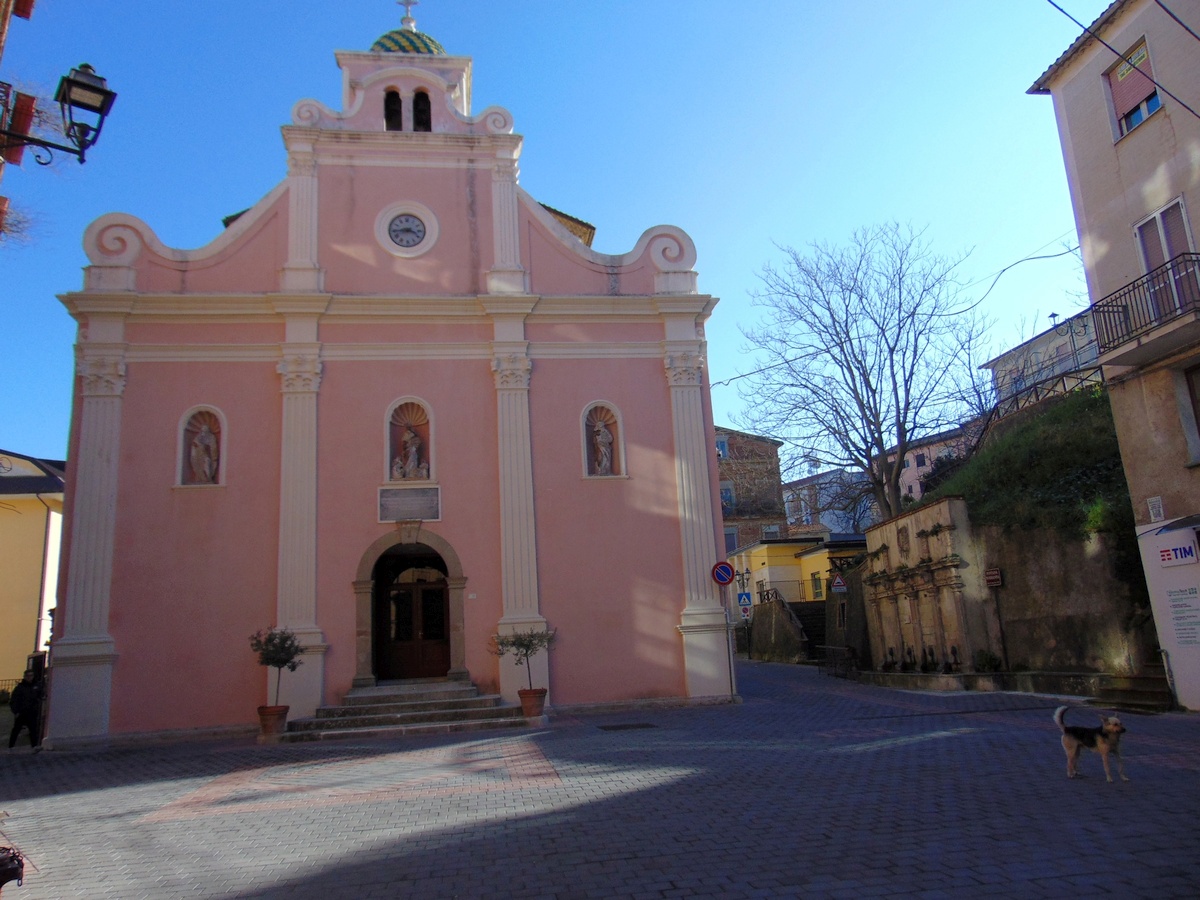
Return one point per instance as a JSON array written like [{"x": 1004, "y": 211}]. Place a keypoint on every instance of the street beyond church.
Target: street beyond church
[{"x": 812, "y": 787}]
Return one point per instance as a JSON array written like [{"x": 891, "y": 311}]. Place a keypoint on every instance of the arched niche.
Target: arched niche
[
  {"x": 201, "y": 455},
  {"x": 603, "y": 442},
  {"x": 409, "y": 442}
]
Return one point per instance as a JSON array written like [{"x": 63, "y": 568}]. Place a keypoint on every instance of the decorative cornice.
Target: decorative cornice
[{"x": 382, "y": 352}]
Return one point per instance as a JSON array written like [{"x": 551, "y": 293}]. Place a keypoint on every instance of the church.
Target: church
[{"x": 398, "y": 406}]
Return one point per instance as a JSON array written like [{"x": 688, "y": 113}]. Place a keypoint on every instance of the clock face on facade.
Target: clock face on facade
[{"x": 406, "y": 230}]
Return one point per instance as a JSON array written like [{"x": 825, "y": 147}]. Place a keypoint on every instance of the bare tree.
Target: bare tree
[{"x": 867, "y": 348}]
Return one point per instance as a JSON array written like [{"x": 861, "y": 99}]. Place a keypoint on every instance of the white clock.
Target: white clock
[{"x": 406, "y": 230}]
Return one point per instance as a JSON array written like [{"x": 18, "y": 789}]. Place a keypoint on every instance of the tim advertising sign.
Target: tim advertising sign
[{"x": 1181, "y": 552}]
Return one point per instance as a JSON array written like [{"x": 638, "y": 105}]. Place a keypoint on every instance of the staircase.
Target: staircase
[
  {"x": 811, "y": 615},
  {"x": 1148, "y": 692},
  {"x": 417, "y": 706}
]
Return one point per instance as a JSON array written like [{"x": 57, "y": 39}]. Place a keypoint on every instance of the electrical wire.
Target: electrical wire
[
  {"x": 1121, "y": 56},
  {"x": 725, "y": 382},
  {"x": 1180, "y": 21},
  {"x": 1017, "y": 263}
]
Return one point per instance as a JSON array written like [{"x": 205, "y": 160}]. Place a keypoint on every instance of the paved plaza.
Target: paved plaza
[{"x": 813, "y": 787}]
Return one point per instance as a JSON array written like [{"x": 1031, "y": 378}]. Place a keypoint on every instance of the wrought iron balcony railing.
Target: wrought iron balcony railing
[{"x": 1168, "y": 292}]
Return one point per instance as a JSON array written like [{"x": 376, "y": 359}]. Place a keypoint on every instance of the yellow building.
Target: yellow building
[
  {"x": 31, "y": 501},
  {"x": 799, "y": 568}
]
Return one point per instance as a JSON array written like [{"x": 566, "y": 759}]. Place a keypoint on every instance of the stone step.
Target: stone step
[
  {"x": 354, "y": 720},
  {"x": 1148, "y": 692},
  {"x": 382, "y": 731},
  {"x": 408, "y": 706},
  {"x": 420, "y": 706},
  {"x": 415, "y": 691}
]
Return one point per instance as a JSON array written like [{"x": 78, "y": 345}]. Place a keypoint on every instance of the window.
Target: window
[
  {"x": 722, "y": 448},
  {"x": 818, "y": 586},
  {"x": 1161, "y": 238},
  {"x": 770, "y": 532},
  {"x": 727, "y": 497},
  {"x": 393, "y": 116},
  {"x": 841, "y": 615},
  {"x": 1140, "y": 113},
  {"x": 1193, "y": 382},
  {"x": 731, "y": 538},
  {"x": 920, "y": 460},
  {"x": 1134, "y": 95},
  {"x": 422, "y": 113},
  {"x": 906, "y": 461}
]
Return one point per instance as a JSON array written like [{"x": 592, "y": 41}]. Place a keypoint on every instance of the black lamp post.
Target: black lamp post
[
  {"x": 1072, "y": 326},
  {"x": 85, "y": 101},
  {"x": 742, "y": 579}
]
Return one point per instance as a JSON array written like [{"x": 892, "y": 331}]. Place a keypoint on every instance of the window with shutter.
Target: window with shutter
[
  {"x": 1131, "y": 86},
  {"x": 1162, "y": 240}
]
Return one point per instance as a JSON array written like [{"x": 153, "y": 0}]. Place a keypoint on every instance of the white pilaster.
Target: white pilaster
[
  {"x": 300, "y": 371},
  {"x": 703, "y": 623},
  {"x": 507, "y": 275},
  {"x": 83, "y": 653},
  {"x": 518, "y": 546},
  {"x": 302, "y": 271}
]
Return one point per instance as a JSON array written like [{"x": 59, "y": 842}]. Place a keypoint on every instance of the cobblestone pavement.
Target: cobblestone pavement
[{"x": 813, "y": 787}]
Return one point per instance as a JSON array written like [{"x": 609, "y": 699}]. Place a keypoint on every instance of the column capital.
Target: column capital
[
  {"x": 685, "y": 367},
  {"x": 512, "y": 371},
  {"x": 102, "y": 372},
  {"x": 300, "y": 371}
]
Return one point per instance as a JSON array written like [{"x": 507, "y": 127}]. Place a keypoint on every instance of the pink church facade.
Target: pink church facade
[{"x": 397, "y": 407}]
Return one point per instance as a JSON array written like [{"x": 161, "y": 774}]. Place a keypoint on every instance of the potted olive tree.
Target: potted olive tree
[
  {"x": 523, "y": 645},
  {"x": 279, "y": 648}
]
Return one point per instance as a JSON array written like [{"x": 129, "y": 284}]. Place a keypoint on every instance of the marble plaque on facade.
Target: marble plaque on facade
[{"x": 409, "y": 504}]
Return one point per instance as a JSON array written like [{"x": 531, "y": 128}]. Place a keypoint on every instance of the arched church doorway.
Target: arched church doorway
[{"x": 410, "y": 613}]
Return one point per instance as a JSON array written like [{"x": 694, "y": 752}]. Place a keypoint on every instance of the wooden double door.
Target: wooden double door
[{"x": 411, "y": 623}]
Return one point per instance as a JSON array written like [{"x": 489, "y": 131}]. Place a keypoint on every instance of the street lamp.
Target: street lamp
[
  {"x": 743, "y": 578},
  {"x": 85, "y": 101},
  {"x": 1068, "y": 327}
]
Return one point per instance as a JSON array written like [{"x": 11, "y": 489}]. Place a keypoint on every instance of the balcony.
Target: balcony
[{"x": 1152, "y": 317}]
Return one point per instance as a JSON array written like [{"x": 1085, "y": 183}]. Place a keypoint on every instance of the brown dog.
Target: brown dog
[{"x": 1105, "y": 740}]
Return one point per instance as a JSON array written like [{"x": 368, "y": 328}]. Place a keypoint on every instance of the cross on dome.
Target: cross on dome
[{"x": 408, "y": 23}]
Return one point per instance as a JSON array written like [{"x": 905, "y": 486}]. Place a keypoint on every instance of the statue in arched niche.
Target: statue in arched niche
[
  {"x": 202, "y": 442},
  {"x": 601, "y": 436},
  {"x": 409, "y": 451},
  {"x": 602, "y": 441}
]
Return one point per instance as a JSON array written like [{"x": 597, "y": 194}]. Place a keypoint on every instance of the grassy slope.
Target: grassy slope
[{"x": 1059, "y": 469}]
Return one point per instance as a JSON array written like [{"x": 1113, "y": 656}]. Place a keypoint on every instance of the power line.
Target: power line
[
  {"x": 1017, "y": 263},
  {"x": 1054, "y": 240},
  {"x": 1121, "y": 57},
  {"x": 725, "y": 382},
  {"x": 1182, "y": 24}
]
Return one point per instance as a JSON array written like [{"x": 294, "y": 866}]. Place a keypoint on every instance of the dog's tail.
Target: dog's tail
[{"x": 1058, "y": 718}]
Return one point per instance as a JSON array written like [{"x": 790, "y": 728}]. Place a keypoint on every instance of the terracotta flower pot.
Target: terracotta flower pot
[
  {"x": 273, "y": 723},
  {"x": 532, "y": 702}
]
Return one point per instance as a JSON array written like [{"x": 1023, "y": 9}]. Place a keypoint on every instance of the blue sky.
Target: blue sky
[{"x": 747, "y": 124}]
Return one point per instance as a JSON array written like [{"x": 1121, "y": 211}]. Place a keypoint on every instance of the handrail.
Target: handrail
[{"x": 1159, "y": 296}]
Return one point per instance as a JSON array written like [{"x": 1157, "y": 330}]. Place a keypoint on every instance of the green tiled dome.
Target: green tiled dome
[{"x": 404, "y": 41}]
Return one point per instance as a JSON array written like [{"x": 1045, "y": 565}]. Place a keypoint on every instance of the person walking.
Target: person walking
[{"x": 26, "y": 704}]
